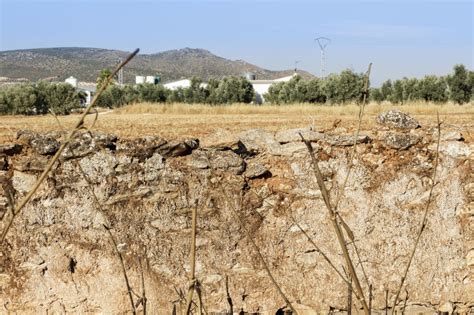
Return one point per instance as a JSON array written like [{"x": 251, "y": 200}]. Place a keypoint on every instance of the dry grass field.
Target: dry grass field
[{"x": 182, "y": 120}]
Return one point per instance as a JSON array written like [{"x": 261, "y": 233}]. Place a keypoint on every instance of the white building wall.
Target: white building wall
[{"x": 260, "y": 89}]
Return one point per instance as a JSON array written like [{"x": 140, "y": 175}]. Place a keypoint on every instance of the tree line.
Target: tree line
[
  {"x": 225, "y": 91},
  {"x": 345, "y": 87},
  {"x": 40, "y": 98},
  {"x": 348, "y": 86}
]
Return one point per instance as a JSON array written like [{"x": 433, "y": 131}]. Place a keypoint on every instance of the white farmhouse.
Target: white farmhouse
[
  {"x": 181, "y": 84},
  {"x": 87, "y": 88},
  {"x": 261, "y": 87}
]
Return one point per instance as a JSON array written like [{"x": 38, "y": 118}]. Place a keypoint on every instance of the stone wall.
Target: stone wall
[{"x": 58, "y": 258}]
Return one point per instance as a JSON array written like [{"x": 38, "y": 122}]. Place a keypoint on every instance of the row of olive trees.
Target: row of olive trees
[
  {"x": 348, "y": 86},
  {"x": 457, "y": 87},
  {"x": 226, "y": 91},
  {"x": 40, "y": 98},
  {"x": 336, "y": 88}
]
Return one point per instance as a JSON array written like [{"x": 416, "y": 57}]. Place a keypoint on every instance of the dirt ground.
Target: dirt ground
[{"x": 200, "y": 121}]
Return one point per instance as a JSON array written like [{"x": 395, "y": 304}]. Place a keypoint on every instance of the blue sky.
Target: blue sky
[{"x": 401, "y": 38}]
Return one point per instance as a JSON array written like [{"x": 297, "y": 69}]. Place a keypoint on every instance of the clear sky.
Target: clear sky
[{"x": 401, "y": 38}]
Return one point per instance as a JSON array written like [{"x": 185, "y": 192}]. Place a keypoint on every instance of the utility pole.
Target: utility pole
[
  {"x": 296, "y": 65},
  {"x": 120, "y": 73},
  {"x": 323, "y": 42}
]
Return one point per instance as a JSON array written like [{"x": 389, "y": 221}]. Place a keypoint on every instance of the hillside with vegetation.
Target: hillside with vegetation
[{"x": 86, "y": 64}]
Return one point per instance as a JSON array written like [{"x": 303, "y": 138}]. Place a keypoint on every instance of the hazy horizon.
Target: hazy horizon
[{"x": 401, "y": 38}]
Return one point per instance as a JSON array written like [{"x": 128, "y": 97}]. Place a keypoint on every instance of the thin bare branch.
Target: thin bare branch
[
  {"x": 192, "y": 262},
  {"x": 337, "y": 228},
  {"x": 64, "y": 144}
]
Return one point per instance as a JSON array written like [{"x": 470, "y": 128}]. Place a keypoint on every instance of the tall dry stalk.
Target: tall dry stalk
[
  {"x": 336, "y": 226},
  {"x": 425, "y": 217},
  {"x": 192, "y": 262},
  {"x": 17, "y": 209}
]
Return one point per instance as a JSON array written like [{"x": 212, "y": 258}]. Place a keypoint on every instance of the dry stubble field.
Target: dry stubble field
[{"x": 173, "y": 121}]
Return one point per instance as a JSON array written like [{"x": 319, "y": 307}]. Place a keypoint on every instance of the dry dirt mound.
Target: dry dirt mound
[{"x": 58, "y": 258}]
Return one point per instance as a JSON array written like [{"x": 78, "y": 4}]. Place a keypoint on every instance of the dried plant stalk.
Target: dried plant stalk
[
  {"x": 425, "y": 217},
  {"x": 67, "y": 140},
  {"x": 337, "y": 228},
  {"x": 254, "y": 245},
  {"x": 192, "y": 261}
]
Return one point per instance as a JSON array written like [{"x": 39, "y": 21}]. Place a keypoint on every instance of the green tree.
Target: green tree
[
  {"x": 397, "y": 92},
  {"x": 375, "y": 94},
  {"x": 386, "y": 90},
  {"x": 104, "y": 74},
  {"x": 433, "y": 89},
  {"x": 459, "y": 85},
  {"x": 60, "y": 98}
]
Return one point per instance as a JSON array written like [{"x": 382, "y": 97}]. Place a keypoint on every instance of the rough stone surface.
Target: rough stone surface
[
  {"x": 293, "y": 135},
  {"x": 58, "y": 259},
  {"x": 42, "y": 144},
  {"x": 255, "y": 170},
  {"x": 397, "y": 119},
  {"x": 258, "y": 140},
  {"x": 400, "y": 141},
  {"x": 217, "y": 159},
  {"x": 346, "y": 140}
]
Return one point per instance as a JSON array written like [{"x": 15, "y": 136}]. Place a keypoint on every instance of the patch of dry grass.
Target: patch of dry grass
[
  {"x": 197, "y": 120},
  {"x": 247, "y": 109}
]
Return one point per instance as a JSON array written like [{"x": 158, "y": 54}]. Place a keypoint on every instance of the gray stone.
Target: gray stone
[
  {"x": 258, "y": 140},
  {"x": 255, "y": 170},
  {"x": 153, "y": 166},
  {"x": 400, "y": 141},
  {"x": 224, "y": 160},
  {"x": 175, "y": 149},
  {"x": 346, "y": 140},
  {"x": 397, "y": 119},
  {"x": 293, "y": 135},
  {"x": 23, "y": 182},
  {"x": 452, "y": 148},
  {"x": 452, "y": 135}
]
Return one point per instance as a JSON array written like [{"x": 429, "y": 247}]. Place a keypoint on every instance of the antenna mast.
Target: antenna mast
[
  {"x": 323, "y": 42},
  {"x": 296, "y": 65},
  {"x": 120, "y": 73}
]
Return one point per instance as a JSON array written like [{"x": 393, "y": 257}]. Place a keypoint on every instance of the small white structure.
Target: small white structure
[
  {"x": 139, "y": 79},
  {"x": 87, "y": 88},
  {"x": 181, "y": 84},
  {"x": 261, "y": 87},
  {"x": 150, "y": 79},
  {"x": 178, "y": 84},
  {"x": 72, "y": 81}
]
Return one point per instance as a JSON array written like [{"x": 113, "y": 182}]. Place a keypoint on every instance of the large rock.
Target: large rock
[
  {"x": 397, "y": 119},
  {"x": 258, "y": 140},
  {"x": 346, "y": 140},
  {"x": 85, "y": 143},
  {"x": 400, "y": 141},
  {"x": 42, "y": 144},
  {"x": 293, "y": 135},
  {"x": 452, "y": 148},
  {"x": 223, "y": 160}
]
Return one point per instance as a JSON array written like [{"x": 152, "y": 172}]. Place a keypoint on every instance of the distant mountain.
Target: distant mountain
[{"x": 86, "y": 63}]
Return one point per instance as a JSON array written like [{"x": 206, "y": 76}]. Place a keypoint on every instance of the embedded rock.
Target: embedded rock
[
  {"x": 397, "y": 119},
  {"x": 400, "y": 141},
  {"x": 293, "y": 135}
]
